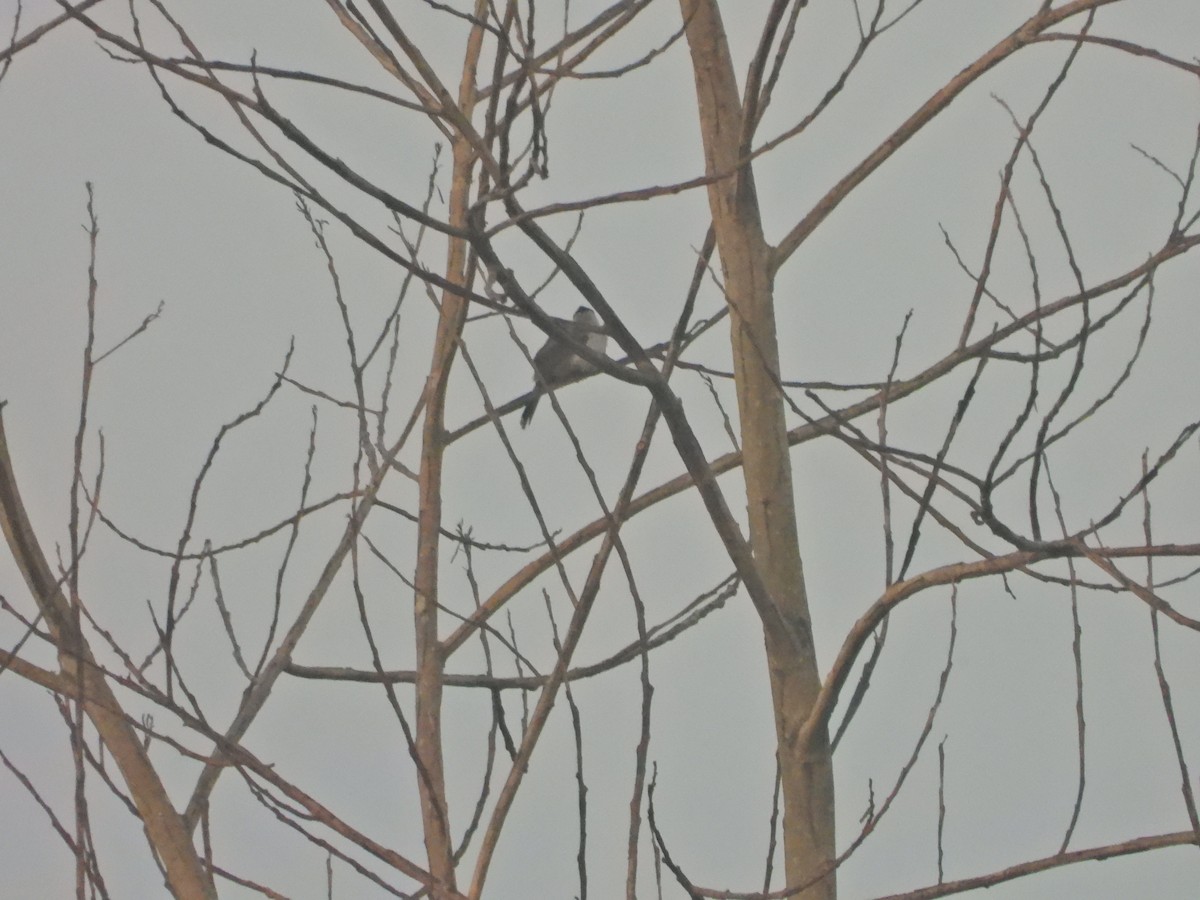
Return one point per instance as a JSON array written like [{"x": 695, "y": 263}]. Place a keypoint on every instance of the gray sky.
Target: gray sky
[{"x": 236, "y": 268}]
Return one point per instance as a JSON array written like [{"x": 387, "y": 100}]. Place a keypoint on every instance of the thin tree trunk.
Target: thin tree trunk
[
  {"x": 807, "y": 771},
  {"x": 430, "y": 654},
  {"x": 186, "y": 876}
]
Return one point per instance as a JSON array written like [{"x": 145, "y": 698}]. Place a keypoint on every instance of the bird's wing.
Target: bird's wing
[{"x": 553, "y": 361}]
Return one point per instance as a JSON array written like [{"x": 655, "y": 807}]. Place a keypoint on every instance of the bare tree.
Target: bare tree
[{"x": 993, "y": 402}]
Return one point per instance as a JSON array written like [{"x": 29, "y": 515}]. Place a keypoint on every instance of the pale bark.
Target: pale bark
[
  {"x": 807, "y": 770},
  {"x": 430, "y": 655},
  {"x": 165, "y": 829}
]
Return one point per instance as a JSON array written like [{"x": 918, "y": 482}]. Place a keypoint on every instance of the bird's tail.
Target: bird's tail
[{"x": 527, "y": 415}]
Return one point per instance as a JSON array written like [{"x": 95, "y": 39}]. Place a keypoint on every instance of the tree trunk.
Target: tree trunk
[
  {"x": 430, "y": 653},
  {"x": 806, "y": 771},
  {"x": 185, "y": 873}
]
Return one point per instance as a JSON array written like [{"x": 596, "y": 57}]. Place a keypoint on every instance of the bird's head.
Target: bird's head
[{"x": 585, "y": 316}]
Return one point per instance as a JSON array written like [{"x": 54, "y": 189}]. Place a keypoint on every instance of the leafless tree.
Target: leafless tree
[{"x": 973, "y": 440}]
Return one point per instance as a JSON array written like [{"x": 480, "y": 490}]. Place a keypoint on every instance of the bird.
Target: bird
[{"x": 556, "y": 362}]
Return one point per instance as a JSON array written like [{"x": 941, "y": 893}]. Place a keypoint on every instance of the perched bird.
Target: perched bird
[{"x": 556, "y": 362}]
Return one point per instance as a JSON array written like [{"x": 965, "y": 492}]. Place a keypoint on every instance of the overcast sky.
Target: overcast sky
[{"x": 240, "y": 279}]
